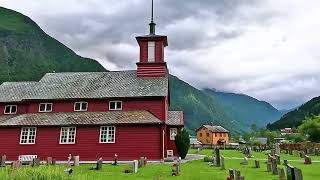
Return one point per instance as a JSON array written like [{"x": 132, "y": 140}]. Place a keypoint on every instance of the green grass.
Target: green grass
[{"x": 191, "y": 170}]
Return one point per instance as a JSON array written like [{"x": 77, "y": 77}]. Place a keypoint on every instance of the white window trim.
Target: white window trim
[
  {"x": 75, "y": 135},
  {"x": 46, "y": 104},
  {"x": 81, "y": 102},
  {"x": 151, "y": 51},
  {"x": 176, "y": 131},
  {"x": 114, "y": 139},
  {"x": 35, "y": 135},
  {"x": 5, "y": 107},
  {"x": 115, "y": 106}
]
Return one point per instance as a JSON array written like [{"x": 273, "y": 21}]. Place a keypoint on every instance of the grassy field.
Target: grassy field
[{"x": 190, "y": 170}]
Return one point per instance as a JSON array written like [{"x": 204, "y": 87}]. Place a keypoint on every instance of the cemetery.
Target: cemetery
[{"x": 239, "y": 164}]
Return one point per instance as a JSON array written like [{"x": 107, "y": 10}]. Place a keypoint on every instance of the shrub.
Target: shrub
[{"x": 182, "y": 142}]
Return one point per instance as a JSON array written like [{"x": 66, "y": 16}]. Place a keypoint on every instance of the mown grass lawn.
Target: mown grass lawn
[{"x": 191, "y": 170}]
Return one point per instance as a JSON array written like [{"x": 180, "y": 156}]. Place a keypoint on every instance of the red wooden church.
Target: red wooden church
[{"x": 93, "y": 114}]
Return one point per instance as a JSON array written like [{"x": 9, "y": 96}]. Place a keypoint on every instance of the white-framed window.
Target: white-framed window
[
  {"x": 80, "y": 106},
  {"x": 173, "y": 133},
  {"x": 115, "y": 105},
  {"x": 107, "y": 134},
  {"x": 10, "y": 109},
  {"x": 151, "y": 51},
  {"x": 45, "y": 107},
  {"x": 28, "y": 135},
  {"x": 68, "y": 135}
]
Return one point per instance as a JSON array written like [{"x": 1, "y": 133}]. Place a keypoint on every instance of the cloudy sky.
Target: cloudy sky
[{"x": 268, "y": 49}]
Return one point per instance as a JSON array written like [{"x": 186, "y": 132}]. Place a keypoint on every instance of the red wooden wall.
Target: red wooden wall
[
  {"x": 154, "y": 105},
  {"x": 131, "y": 143}
]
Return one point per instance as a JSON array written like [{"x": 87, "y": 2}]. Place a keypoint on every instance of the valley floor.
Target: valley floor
[{"x": 189, "y": 170}]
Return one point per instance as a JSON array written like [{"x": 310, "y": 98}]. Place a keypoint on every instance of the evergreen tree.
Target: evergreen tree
[{"x": 182, "y": 142}]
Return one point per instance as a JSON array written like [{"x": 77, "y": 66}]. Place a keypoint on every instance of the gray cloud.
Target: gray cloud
[{"x": 261, "y": 48}]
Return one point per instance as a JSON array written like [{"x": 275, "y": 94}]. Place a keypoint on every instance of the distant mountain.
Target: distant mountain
[
  {"x": 27, "y": 53},
  {"x": 245, "y": 109},
  {"x": 295, "y": 117},
  {"x": 200, "y": 108}
]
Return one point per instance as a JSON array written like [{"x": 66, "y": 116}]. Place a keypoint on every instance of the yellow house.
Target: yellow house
[{"x": 207, "y": 134}]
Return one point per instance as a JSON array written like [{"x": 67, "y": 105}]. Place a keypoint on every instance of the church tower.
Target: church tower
[{"x": 151, "y": 63}]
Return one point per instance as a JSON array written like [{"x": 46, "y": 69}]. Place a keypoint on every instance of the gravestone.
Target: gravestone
[
  {"x": 140, "y": 162},
  {"x": 99, "y": 164},
  {"x": 277, "y": 148},
  {"x": 53, "y": 161},
  {"x": 269, "y": 169},
  {"x": 269, "y": 158},
  {"x": 49, "y": 160},
  {"x": 301, "y": 154},
  {"x": 290, "y": 172},
  {"x": 241, "y": 178},
  {"x": 238, "y": 174},
  {"x": 285, "y": 162},
  {"x": 35, "y": 162},
  {"x": 69, "y": 160},
  {"x": 297, "y": 174},
  {"x": 274, "y": 166},
  {"x": 307, "y": 159},
  {"x": 257, "y": 164},
  {"x": 316, "y": 151},
  {"x": 135, "y": 166},
  {"x": 281, "y": 173},
  {"x": 76, "y": 160},
  {"x": 15, "y": 165},
  {"x": 3, "y": 161},
  {"x": 217, "y": 152},
  {"x": 245, "y": 161},
  {"x": 231, "y": 174},
  {"x": 278, "y": 159},
  {"x": 214, "y": 161},
  {"x": 290, "y": 151},
  {"x": 223, "y": 166}
]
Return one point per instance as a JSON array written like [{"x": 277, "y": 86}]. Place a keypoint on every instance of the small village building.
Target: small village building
[
  {"x": 94, "y": 114},
  {"x": 208, "y": 134}
]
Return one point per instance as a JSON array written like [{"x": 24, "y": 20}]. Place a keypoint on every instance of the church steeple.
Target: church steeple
[{"x": 151, "y": 63}]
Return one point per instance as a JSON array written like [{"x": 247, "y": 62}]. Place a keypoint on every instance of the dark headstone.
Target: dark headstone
[
  {"x": 217, "y": 152},
  {"x": 298, "y": 174},
  {"x": 285, "y": 162},
  {"x": 238, "y": 174},
  {"x": 99, "y": 164},
  {"x": 316, "y": 151},
  {"x": 281, "y": 173},
  {"x": 307, "y": 159},
  {"x": 278, "y": 159},
  {"x": 290, "y": 151},
  {"x": 3, "y": 161},
  {"x": 257, "y": 164},
  {"x": 274, "y": 166},
  {"x": 35, "y": 162},
  {"x": 231, "y": 174},
  {"x": 269, "y": 169},
  {"x": 290, "y": 172}
]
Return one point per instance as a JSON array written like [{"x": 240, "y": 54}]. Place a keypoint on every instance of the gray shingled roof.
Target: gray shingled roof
[
  {"x": 215, "y": 128},
  {"x": 175, "y": 118},
  {"x": 81, "y": 118},
  {"x": 85, "y": 85}
]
